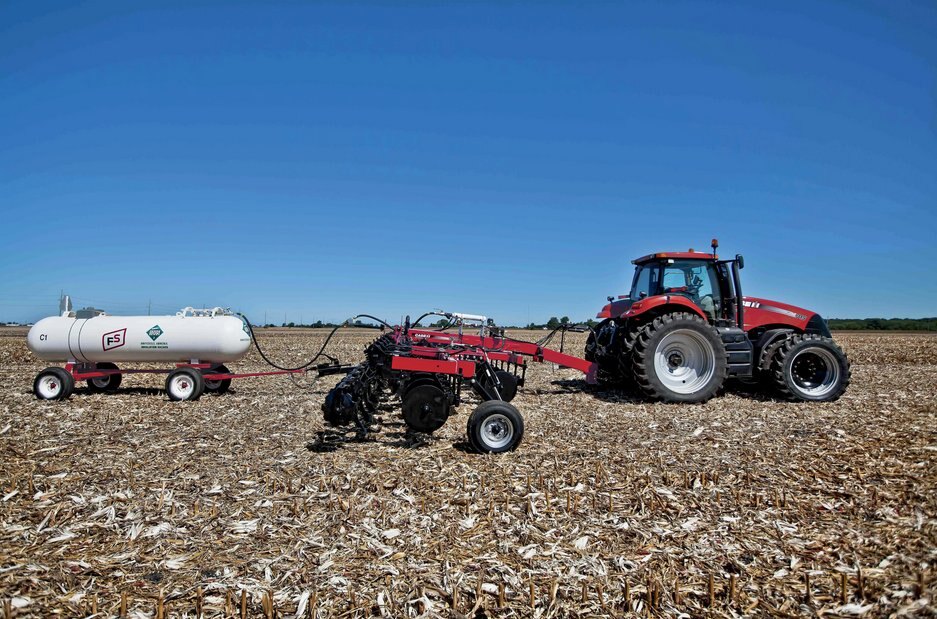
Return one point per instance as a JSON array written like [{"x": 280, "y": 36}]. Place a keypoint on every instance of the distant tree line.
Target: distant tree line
[{"x": 883, "y": 324}]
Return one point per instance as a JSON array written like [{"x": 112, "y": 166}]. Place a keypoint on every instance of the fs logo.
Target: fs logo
[{"x": 114, "y": 339}]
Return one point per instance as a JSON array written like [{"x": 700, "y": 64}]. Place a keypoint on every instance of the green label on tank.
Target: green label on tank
[{"x": 154, "y": 332}]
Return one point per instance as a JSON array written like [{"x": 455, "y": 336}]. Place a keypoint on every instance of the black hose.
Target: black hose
[{"x": 321, "y": 352}]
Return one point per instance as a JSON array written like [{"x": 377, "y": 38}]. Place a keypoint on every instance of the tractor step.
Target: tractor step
[{"x": 739, "y": 349}]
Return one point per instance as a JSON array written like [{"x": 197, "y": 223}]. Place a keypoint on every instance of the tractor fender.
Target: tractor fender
[{"x": 662, "y": 304}]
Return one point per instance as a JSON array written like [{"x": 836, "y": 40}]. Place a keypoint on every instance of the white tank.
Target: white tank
[{"x": 209, "y": 336}]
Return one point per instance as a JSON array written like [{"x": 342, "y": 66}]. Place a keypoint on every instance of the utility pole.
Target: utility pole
[{"x": 149, "y": 306}]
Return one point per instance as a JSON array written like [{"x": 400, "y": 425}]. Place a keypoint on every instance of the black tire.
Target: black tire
[
  {"x": 495, "y": 427},
  {"x": 185, "y": 384},
  {"x": 105, "y": 384},
  {"x": 217, "y": 387},
  {"x": 810, "y": 368},
  {"x": 53, "y": 384},
  {"x": 508, "y": 385},
  {"x": 694, "y": 352},
  {"x": 425, "y": 408}
]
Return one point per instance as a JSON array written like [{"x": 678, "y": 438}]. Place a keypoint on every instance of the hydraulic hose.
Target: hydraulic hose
[{"x": 321, "y": 353}]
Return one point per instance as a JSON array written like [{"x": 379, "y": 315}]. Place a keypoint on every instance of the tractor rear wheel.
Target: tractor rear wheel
[
  {"x": 810, "y": 367},
  {"x": 679, "y": 357}
]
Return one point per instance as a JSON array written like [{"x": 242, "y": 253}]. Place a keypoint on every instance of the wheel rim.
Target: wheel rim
[
  {"x": 497, "y": 431},
  {"x": 182, "y": 386},
  {"x": 101, "y": 382},
  {"x": 685, "y": 361},
  {"x": 50, "y": 387},
  {"x": 814, "y": 372}
]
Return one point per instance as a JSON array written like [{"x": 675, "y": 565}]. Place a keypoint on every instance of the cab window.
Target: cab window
[
  {"x": 645, "y": 282},
  {"x": 695, "y": 280}
]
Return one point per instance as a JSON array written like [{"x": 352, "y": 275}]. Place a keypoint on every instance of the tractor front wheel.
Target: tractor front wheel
[
  {"x": 810, "y": 367},
  {"x": 679, "y": 357}
]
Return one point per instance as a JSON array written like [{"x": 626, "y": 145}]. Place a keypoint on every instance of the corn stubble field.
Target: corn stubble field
[{"x": 244, "y": 504}]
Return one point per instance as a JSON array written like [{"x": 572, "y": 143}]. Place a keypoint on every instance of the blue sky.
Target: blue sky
[{"x": 320, "y": 160}]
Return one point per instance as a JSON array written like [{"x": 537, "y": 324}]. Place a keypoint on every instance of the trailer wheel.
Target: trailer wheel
[
  {"x": 184, "y": 384},
  {"x": 679, "y": 357},
  {"x": 105, "y": 384},
  {"x": 53, "y": 384},
  {"x": 217, "y": 387},
  {"x": 495, "y": 427},
  {"x": 810, "y": 368},
  {"x": 425, "y": 408}
]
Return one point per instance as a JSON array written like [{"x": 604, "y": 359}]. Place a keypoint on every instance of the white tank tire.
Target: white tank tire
[
  {"x": 217, "y": 387},
  {"x": 184, "y": 384},
  {"x": 53, "y": 384},
  {"x": 105, "y": 384},
  {"x": 810, "y": 367},
  {"x": 495, "y": 427},
  {"x": 680, "y": 358}
]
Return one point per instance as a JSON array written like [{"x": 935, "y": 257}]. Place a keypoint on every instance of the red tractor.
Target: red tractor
[{"x": 685, "y": 328}]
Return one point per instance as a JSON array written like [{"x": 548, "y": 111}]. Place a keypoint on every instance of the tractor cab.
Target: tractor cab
[
  {"x": 711, "y": 285},
  {"x": 693, "y": 278}
]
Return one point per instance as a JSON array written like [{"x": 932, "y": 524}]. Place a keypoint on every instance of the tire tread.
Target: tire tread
[
  {"x": 780, "y": 354},
  {"x": 641, "y": 351}
]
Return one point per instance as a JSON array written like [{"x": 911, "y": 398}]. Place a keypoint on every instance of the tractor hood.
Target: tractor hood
[
  {"x": 615, "y": 308},
  {"x": 758, "y": 313},
  {"x": 763, "y": 312}
]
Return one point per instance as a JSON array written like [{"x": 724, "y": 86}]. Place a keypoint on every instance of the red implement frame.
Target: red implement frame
[{"x": 494, "y": 348}]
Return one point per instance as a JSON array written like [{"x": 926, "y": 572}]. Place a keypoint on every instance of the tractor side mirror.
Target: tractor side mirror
[{"x": 740, "y": 259}]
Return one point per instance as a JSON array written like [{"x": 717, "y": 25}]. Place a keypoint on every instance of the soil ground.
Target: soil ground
[{"x": 740, "y": 506}]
